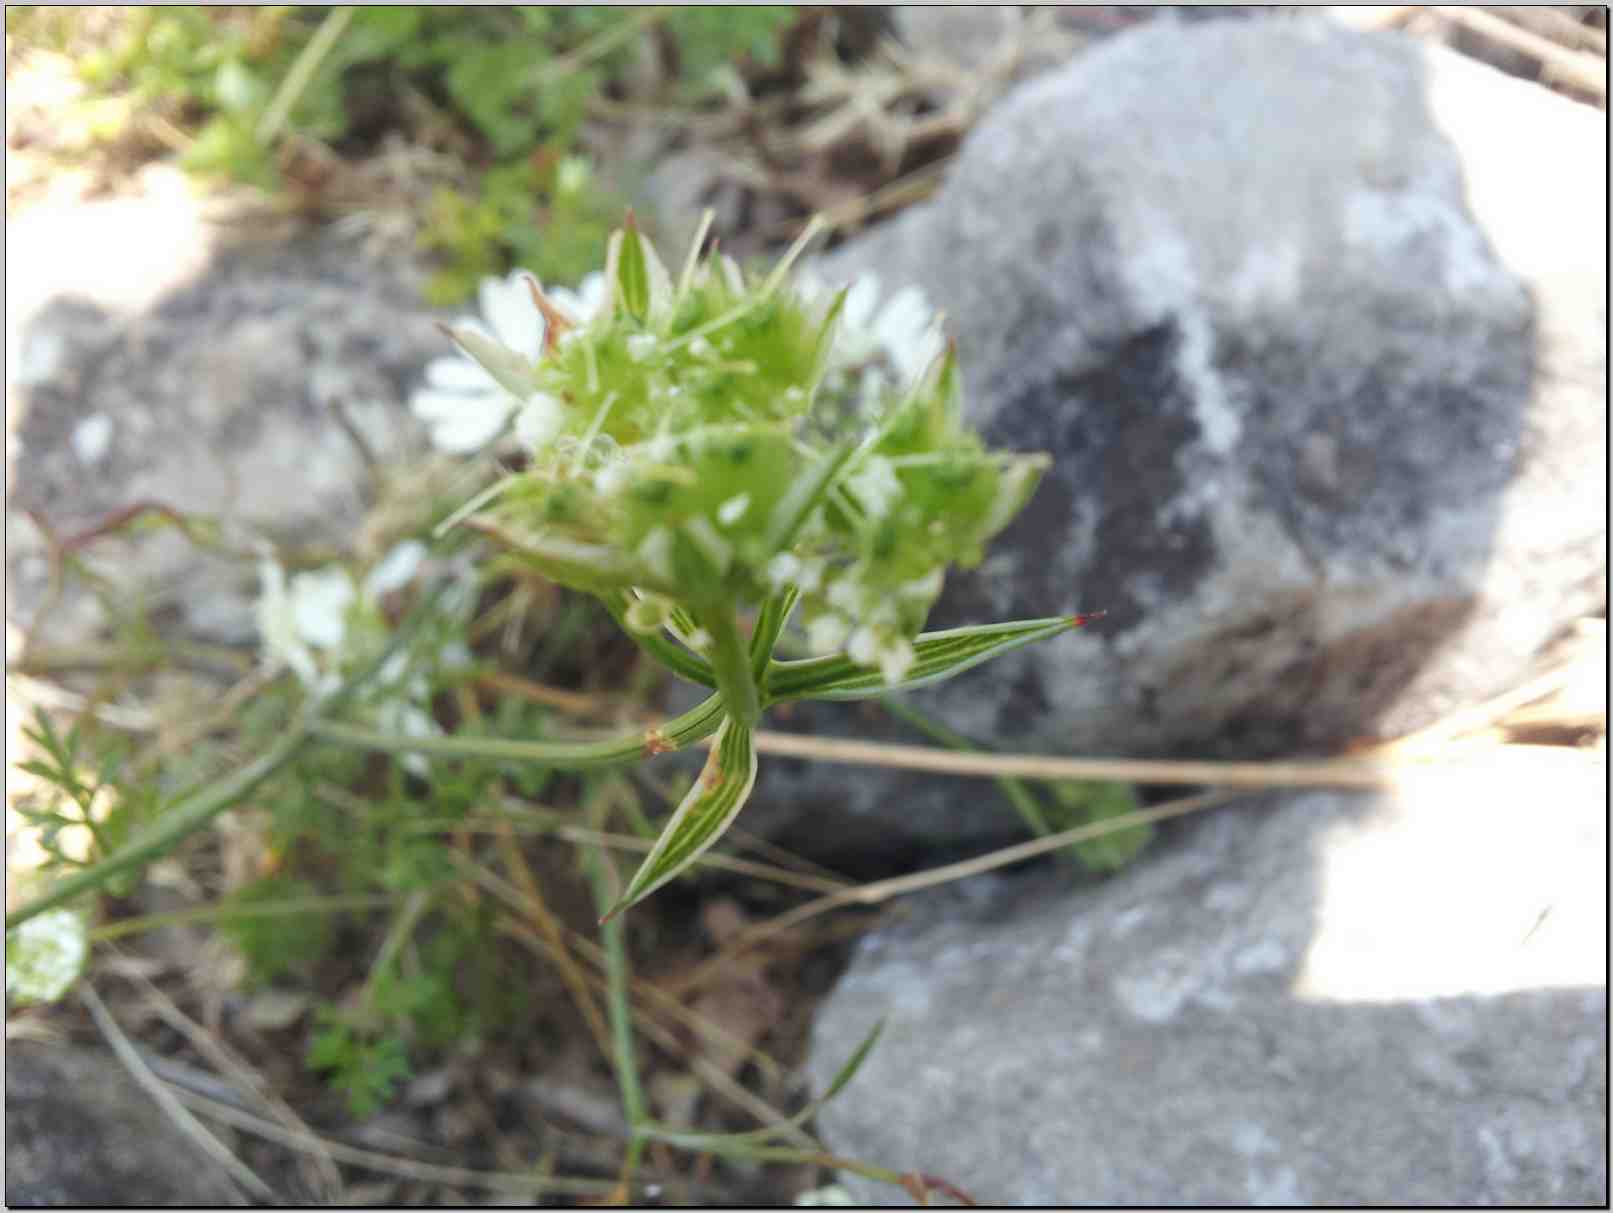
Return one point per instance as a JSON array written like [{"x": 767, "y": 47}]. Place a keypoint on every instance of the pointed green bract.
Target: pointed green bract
[
  {"x": 770, "y": 622},
  {"x": 937, "y": 656},
  {"x": 706, "y": 812}
]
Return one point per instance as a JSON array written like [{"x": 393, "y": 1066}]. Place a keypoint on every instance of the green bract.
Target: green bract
[{"x": 685, "y": 467}]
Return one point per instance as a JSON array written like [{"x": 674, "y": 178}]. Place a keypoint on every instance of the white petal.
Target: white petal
[
  {"x": 826, "y": 634},
  {"x": 863, "y": 648},
  {"x": 515, "y": 319},
  {"x": 861, "y": 300},
  {"x": 895, "y": 659},
  {"x": 459, "y": 372},
  {"x": 432, "y": 404},
  {"x": 396, "y": 570},
  {"x": 319, "y": 602},
  {"x": 540, "y": 419}
]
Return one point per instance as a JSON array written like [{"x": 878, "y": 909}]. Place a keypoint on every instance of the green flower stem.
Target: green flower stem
[
  {"x": 635, "y": 1108},
  {"x": 731, "y": 662},
  {"x": 239, "y": 913},
  {"x": 675, "y": 734}
]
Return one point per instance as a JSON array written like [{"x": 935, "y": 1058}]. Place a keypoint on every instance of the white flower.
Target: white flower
[
  {"x": 319, "y": 602},
  {"x": 895, "y": 659},
  {"x": 540, "y": 419},
  {"x": 582, "y": 304},
  {"x": 464, "y": 406},
  {"x": 296, "y": 618},
  {"x": 876, "y": 485},
  {"x": 395, "y": 570},
  {"x": 905, "y": 334},
  {"x": 827, "y": 633}
]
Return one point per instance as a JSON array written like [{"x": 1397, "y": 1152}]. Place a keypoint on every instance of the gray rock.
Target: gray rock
[
  {"x": 216, "y": 396},
  {"x": 80, "y": 1132},
  {"x": 1313, "y": 324},
  {"x": 1322, "y": 998}
]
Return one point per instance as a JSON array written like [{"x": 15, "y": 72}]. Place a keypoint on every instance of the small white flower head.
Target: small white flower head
[
  {"x": 395, "y": 570},
  {"x": 464, "y": 404},
  {"x": 44, "y": 956},
  {"x": 784, "y": 569},
  {"x": 827, "y": 633},
  {"x": 863, "y": 646},
  {"x": 876, "y": 485},
  {"x": 319, "y": 602},
  {"x": 732, "y": 510},
  {"x": 846, "y": 595},
  {"x": 909, "y": 333},
  {"x": 296, "y": 618},
  {"x": 895, "y": 659},
  {"x": 899, "y": 340},
  {"x": 704, "y": 440}
]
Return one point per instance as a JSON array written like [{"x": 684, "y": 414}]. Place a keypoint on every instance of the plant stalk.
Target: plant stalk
[
  {"x": 675, "y": 734},
  {"x": 731, "y": 662}
]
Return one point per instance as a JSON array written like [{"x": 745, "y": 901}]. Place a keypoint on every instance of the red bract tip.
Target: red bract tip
[{"x": 1077, "y": 621}]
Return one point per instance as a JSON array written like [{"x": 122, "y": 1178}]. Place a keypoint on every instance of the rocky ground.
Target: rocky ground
[{"x": 1313, "y": 321}]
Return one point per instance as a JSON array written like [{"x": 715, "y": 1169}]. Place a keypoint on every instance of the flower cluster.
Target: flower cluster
[{"x": 682, "y": 449}]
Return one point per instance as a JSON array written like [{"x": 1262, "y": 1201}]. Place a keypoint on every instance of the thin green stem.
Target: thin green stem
[
  {"x": 675, "y": 734},
  {"x": 730, "y": 661},
  {"x": 188, "y": 816},
  {"x": 1013, "y": 789},
  {"x": 403, "y": 926},
  {"x": 674, "y": 657},
  {"x": 618, "y": 981},
  {"x": 234, "y": 913},
  {"x": 195, "y": 811},
  {"x": 302, "y": 71}
]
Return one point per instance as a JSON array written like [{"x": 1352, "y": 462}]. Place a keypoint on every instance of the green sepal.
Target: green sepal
[
  {"x": 706, "y": 812},
  {"x": 937, "y": 656},
  {"x": 509, "y": 370}
]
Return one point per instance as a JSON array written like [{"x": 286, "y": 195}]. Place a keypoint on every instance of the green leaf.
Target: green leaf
[
  {"x": 706, "y": 812},
  {"x": 1080, "y": 803},
  {"x": 937, "y": 656},
  {"x": 852, "y": 1064},
  {"x": 744, "y": 1143}
]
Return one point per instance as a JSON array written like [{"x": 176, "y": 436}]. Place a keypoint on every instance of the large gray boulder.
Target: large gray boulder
[
  {"x": 1320, "y": 998},
  {"x": 249, "y": 385},
  {"x": 80, "y": 1132},
  {"x": 1313, "y": 324}
]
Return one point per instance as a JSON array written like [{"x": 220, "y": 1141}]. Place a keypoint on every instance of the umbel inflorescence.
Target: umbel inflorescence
[{"x": 686, "y": 466}]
